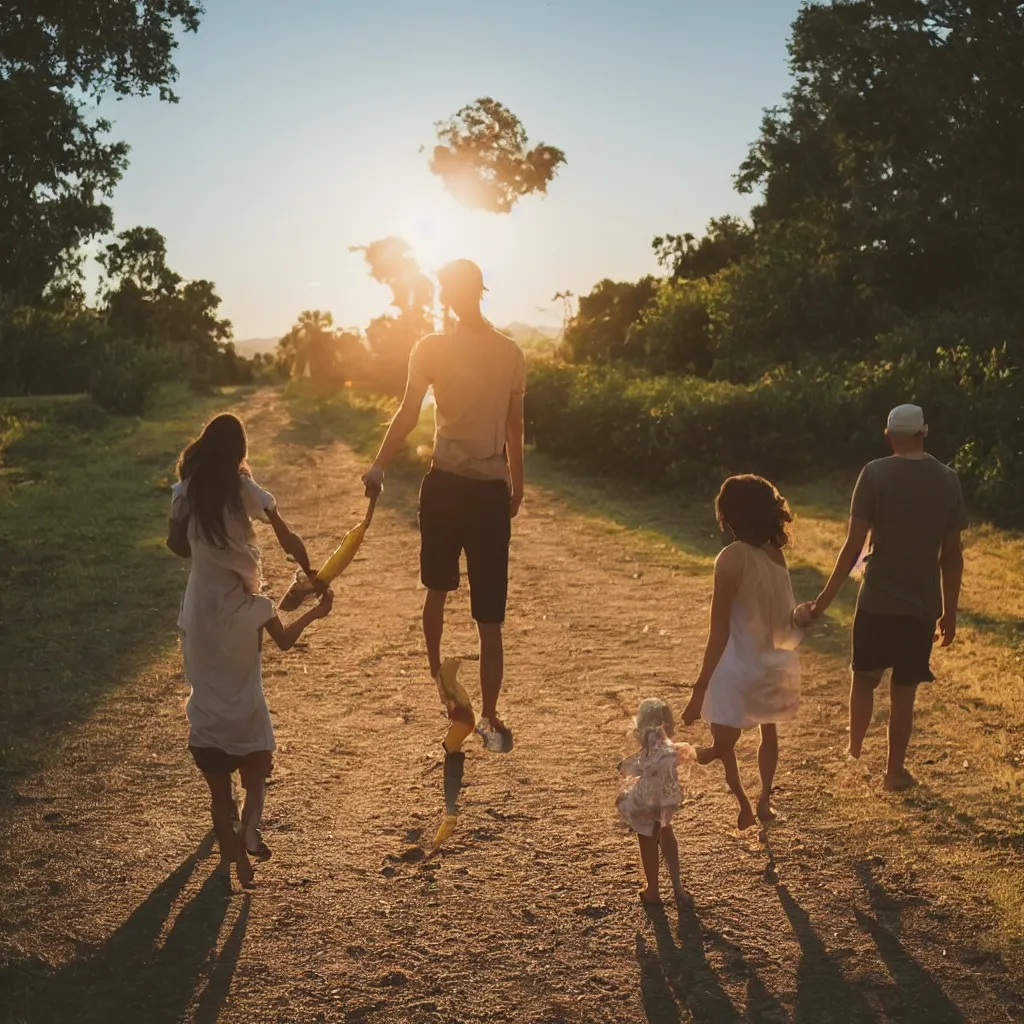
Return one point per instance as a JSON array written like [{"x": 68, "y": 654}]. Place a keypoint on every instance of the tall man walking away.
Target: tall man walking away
[
  {"x": 474, "y": 487},
  {"x": 914, "y": 509}
]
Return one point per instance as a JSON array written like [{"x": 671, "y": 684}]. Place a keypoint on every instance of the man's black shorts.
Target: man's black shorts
[
  {"x": 900, "y": 642},
  {"x": 214, "y": 761},
  {"x": 461, "y": 514}
]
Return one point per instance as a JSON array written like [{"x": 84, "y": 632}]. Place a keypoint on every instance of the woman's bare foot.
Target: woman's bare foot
[
  {"x": 765, "y": 811},
  {"x": 894, "y": 783},
  {"x": 705, "y": 755},
  {"x": 649, "y": 898},
  {"x": 746, "y": 819}
]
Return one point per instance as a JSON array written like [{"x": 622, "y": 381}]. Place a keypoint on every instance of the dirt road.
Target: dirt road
[{"x": 530, "y": 913}]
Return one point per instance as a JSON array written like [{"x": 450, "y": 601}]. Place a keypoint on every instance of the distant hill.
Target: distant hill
[
  {"x": 248, "y": 347},
  {"x": 533, "y": 338}
]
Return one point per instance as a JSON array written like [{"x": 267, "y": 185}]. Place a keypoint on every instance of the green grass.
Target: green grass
[{"x": 89, "y": 592}]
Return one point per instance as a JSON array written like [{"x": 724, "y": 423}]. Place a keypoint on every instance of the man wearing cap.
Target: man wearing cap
[
  {"x": 473, "y": 489},
  {"x": 913, "y": 507}
]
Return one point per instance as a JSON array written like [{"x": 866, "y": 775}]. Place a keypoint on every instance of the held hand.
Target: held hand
[
  {"x": 803, "y": 615},
  {"x": 515, "y": 503},
  {"x": 323, "y": 609},
  {"x": 946, "y": 630},
  {"x": 693, "y": 709},
  {"x": 319, "y": 586},
  {"x": 373, "y": 480}
]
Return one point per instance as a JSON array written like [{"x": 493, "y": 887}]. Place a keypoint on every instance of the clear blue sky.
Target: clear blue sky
[{"x": 299, "y": 126}]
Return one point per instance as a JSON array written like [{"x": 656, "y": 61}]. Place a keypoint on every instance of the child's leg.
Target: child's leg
[
  {"x": 767, "y": 762},
  {"x": 725, "y": 751},
  {"x": 225, "y": 814},
  {"x": 649, "y": 860},
  {"x": 254, "y": 782},
  {"x": 670, "y": 851},
  {"x": 901, "y": 725}
]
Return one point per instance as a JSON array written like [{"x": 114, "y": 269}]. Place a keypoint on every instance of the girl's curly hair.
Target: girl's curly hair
[{"x": 752, "y": 508}]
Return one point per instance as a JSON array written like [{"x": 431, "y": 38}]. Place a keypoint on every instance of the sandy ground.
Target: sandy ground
[{"x": 530, "y": 912}]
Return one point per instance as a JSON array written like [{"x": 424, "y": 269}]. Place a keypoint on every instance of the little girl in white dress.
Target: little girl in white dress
[
  {"x": 751, "y": 671},
  {"x": 651, "y": 794}
]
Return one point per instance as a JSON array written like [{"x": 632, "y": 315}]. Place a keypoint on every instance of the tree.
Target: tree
[
  {"x": 886, "y": 175},
  {"x": 56, "y": 164},
  {"x": 727, "y": 241},
  {"x": 483, "y": 159},
  {"x": 599, "y": 331},
  {"x": 391, "y": 338},
  {"x": 330, "y": 355}
]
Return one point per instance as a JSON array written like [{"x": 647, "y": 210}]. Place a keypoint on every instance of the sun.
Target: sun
[{"x": 441, "y": 231}]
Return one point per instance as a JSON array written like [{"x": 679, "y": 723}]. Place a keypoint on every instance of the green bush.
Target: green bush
[
  {"x": 126, "y": 374},
  {"x": 684, "y": 432}
]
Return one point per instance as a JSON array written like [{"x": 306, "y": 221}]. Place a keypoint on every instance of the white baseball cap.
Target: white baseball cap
[{"x": 907, "y": 420}]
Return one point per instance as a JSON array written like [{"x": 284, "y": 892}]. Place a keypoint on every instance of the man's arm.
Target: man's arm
[
  {"x": 856, "y": 535},
  {"x": 400, "y": 427},
  {"x": 514, "y": 440},
  {"x": 951, "y": 565}
]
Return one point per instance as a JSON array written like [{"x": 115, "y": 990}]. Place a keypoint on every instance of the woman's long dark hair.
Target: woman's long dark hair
[
  {"x": 752, "y": 508},
  {"x": 211, "y": 464}
]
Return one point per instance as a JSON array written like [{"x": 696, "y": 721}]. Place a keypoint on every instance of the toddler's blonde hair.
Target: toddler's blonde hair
[{"x": 651, "y": 716}]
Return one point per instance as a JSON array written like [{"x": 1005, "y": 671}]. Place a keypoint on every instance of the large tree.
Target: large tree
[
  {"x": 57, "y": 163},
  {"x": 482, "y": 156},
  {"x": 888, "y": 177}
]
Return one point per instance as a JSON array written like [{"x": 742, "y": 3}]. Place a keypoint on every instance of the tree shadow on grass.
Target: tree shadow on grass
[{"x": 135, "y": 976}]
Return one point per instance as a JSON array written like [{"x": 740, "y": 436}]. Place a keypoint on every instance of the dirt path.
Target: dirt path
[{"x": 530, "y": 913}]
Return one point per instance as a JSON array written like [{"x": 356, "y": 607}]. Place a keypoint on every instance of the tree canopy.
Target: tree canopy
[{"x": 482, "y": 156}]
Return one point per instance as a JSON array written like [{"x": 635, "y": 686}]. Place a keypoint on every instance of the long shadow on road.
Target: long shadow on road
[{"x": 135, "y": 975}]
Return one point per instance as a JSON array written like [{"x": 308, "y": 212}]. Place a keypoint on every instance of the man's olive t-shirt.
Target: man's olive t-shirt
[{"x": 911, "y": 504}]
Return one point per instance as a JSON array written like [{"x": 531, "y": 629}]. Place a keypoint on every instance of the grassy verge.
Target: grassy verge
[{"x": 89, "y": 592}]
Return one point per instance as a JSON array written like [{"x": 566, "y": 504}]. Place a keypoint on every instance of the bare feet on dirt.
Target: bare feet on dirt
[
  {"x": 747, "y": 819},
  {"x": 894, "y": 783},
  {"x": 765, "y": 811}
]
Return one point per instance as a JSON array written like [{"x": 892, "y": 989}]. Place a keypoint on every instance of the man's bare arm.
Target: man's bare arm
[{"x": 515, "y": 444}]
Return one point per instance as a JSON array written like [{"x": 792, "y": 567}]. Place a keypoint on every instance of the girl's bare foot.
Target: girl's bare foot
[
  {"x": 649, "y": 898},
  {"x": 765, "y": 811},
  {"x": 243, "y": 866},
  {"x": 894, "y": 783},
  {"x": 705, "y": 755},
  {"x": 746, "y": 819}
]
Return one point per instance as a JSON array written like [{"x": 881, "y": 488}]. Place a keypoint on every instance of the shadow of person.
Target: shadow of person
[
  {"x": 823, "y": 995},
  {"x": 916, "y": 995},
  {"x": 679, "y": 975},
  {"x": 132, "y": 976}
]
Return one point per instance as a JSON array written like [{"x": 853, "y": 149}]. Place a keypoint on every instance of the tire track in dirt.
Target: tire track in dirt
[{"x": 530, "y": 912}]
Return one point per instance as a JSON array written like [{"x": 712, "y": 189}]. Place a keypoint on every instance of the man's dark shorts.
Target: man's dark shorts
[
  {"x": 461, "y": 514},
  {"x": 900, "y": 642}
]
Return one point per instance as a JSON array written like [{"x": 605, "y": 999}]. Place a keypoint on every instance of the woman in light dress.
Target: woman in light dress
[
  {"x": 221, "y": 621},
  {"x": 750, "y": 674}
]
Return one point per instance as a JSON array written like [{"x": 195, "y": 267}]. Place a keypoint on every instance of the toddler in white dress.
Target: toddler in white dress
[{"x": 651, "y": 793}]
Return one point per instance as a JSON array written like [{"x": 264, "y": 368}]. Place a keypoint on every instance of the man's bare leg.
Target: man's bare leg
[
  {"x": 862, "y": 707},
  {"x": 901, "y": 725},
  {"x": 433, "y": 627},
  {"x": 492, "y": 669},
  {"x": 767, "y": 762}
]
